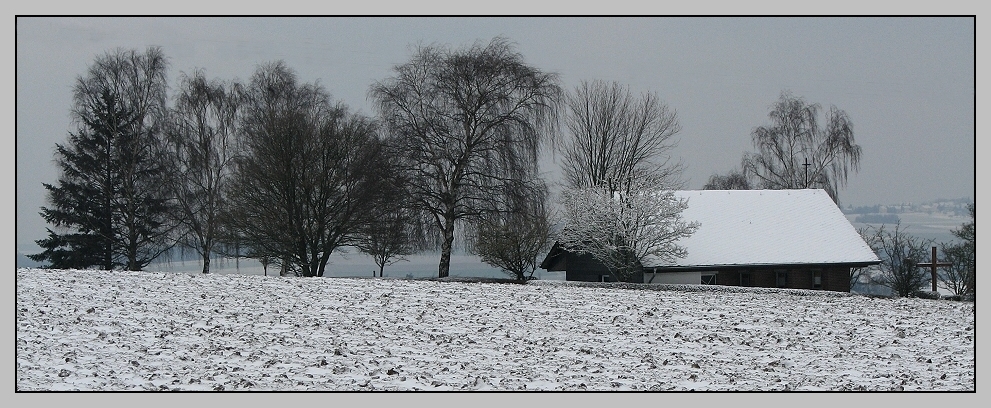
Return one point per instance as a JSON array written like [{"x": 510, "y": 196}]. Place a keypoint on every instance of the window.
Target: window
[
  {"x": 744, "y": 278},
  {"x": 709, "y": 279},
  {"x": 605, "y": 278},
  {"x": 816, "y": 279},
  {"x": 781, "y": 278}
]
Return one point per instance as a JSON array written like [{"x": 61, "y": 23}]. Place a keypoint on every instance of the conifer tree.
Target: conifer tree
[
  {"x": 82, "y": 201},
  {"x": 108, "y": 208}
]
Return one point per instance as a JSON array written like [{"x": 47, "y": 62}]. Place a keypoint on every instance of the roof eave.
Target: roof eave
[{"x": 691, "y": 268}]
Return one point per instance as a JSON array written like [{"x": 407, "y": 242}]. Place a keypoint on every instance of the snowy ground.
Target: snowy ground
[{"x": 98, "y": 330}]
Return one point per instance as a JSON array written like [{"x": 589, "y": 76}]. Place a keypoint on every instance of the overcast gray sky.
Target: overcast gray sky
[{"x": 907, "y": 83}]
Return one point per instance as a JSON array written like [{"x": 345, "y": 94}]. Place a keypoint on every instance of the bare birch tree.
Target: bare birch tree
[
  {"x": 615, "y": 135},
  {"x": 800, "y": 149},
  {"x": 200, "y": 146},
  {"x": 469, "y": 123}
]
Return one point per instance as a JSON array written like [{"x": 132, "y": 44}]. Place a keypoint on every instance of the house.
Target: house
[{"x": 765, "y": 238}]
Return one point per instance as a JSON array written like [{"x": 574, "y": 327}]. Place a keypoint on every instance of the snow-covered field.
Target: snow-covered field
[{"x": 99, "y": 330}]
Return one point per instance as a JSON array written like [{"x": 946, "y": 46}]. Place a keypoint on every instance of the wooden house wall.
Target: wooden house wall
[
  {"x": 832, "y": 278},
  {"x": 584, "y": 268}
]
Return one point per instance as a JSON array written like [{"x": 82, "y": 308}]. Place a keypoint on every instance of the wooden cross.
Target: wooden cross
[{"x": 932, "y": 267}]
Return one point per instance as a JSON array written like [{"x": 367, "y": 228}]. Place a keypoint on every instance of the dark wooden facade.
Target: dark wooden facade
[
  {"x": 832, "y": 277},
  {"x": 582, "y": 268},
  {"x": 821, "y": 277}
]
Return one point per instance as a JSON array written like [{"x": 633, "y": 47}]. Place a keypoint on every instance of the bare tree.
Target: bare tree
[
  {"x": 614, "y": 135},
  {"x": 859, "y": 274},
  {"x": 514, "y": 239},
  {"x": 200, "y": 146},
  {"x": 308, "y": 173},
  {"x": 394, "y": 231},
  {"x": 625, "y": 228},
  {"x": 390, "y": 238},
  {"x": 735, "y": 180},
  {"x": 961, "y": 278},
  {"x": 801, "y": 150},
  {"x": 900, "y": 255},
  {"x": 469, "y": 123}
]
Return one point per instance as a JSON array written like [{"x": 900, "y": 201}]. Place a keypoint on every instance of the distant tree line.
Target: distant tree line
[
  {"x": 866, "y": 209},
  {"x": 878, "y": 219}
]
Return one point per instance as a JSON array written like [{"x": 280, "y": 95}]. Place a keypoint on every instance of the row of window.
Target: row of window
[{"x": 781, "y": 277}]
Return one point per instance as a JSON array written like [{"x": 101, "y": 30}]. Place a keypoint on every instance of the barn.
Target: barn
[{"x": 763, "y": 238}]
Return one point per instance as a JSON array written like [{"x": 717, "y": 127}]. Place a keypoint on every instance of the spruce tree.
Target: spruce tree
[
  {"x": 82, "y": 202},
  {"x": 109, "y": 208}
]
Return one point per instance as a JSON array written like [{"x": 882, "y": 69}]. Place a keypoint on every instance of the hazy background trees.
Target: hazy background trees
[
  {"x": 803, "y": 147},
  {"x": 865, "y": 274},
  {"x": 110, "y": 206},
  {"x": 961, "y": 277},
  {"x": 308, "y": 173},
  {"x": 200, "y": 144},
  {"x": 470, "y": 124},
  {"x": 514, "y": 240},
  {"x": 735, "y": 180}
]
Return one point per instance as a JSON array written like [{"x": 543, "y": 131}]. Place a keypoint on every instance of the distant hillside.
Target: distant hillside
[
  {"x": 935, "y": 220},
  {"x": 956, "y": 207}
]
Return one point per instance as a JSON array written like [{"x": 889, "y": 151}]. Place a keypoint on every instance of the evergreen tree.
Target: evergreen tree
[
  {"x": 82, "y": 201},
  {"x": 109, "y": 207}
]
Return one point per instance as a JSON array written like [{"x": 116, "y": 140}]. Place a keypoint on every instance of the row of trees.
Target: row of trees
[
  {"x": 274, "y": 170},
  {"x": 270, "y": 169}
]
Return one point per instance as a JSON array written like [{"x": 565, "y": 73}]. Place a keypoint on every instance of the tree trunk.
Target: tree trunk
[
  {"x": 324, "y": 258},
  {"x": 445, "y": 250},
  {"x": 132, "y": 253},
  {"x": 206, "y": 262}
]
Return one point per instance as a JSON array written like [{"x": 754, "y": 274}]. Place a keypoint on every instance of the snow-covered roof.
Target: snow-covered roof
[{"x": 768, "y": 227}]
